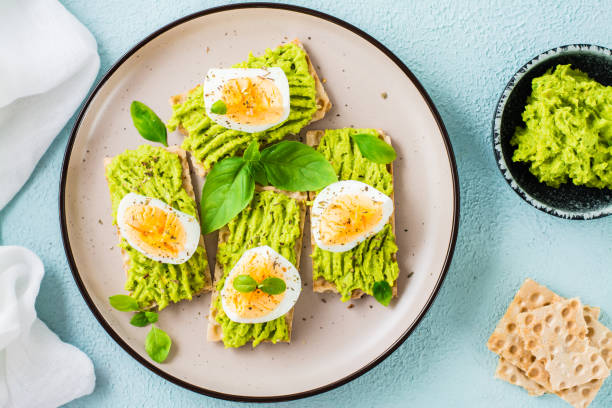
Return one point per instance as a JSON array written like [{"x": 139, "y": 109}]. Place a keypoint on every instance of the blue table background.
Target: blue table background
[{"x": 463, "y": 52}]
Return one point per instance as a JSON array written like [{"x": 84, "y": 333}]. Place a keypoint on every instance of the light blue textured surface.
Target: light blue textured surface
[{"x": 463, "y": 52}]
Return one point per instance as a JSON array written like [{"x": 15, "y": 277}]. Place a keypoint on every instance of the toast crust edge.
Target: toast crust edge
[
  {"x": 320, "y": 285},
  {"x": 214, "y": 331}
]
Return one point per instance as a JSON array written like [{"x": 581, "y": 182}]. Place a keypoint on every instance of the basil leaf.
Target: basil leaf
[
  {"x": 251, "y": 154},
  {"x": 382, "y": 292},
  {"x": 152, "y": 317},
  {"x": 148, "y": 124},
  {"x": 374, "y": 149},
  {"x": 244, "y": 283},
  {"x": 139, "y": 320},
  {"x": 219, "y": 107},
  {"x": 272, "y": 286},
  {"x": 259, "y": 173},
  {"x": 294, "y": 166},
  {"x": 124, "y": 303},
  {"x": 229, "y": 187},
  {"x": 158, "y": 344}
]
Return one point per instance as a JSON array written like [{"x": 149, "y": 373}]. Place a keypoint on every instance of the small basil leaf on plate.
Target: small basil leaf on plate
[
  {"x": 219, "y": 108},
  {"x": 124, "y": 303},
  {"x": 251, "y": 154},
  {"x": 382, "y": 292},
  {"x": 294, "y": 166},
  {"x": 139, "y": 320},
  {"x": 272, "y": 286},
  {"x": 259, "y": 173},
  {"x": 152, "y": 317},
  {"x": 229, "y": 187},
  {"x": 148, "y": 124},
  {"x": 374, "y": 149},
  {"x": 158, "y": 344},
  {"x": 244, "y": 283}
]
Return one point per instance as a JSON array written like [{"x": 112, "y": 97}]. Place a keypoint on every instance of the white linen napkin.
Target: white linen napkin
[
  {"x": 37, "y": 369},
  {"x": 48, "y": 61}
]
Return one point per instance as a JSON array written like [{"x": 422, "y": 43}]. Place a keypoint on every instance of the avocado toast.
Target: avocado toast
[
  {"x": 208, "y": 142},
  {"x": 274, "y": 218},
  {"x": 160, "y": 173},
  {"x": 352, "y": 273}
]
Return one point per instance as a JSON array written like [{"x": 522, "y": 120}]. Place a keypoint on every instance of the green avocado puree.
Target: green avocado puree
[
  {"x": 155, "y": 172},
  {"x": 271, "y": 219},
  {"x": 210, "y": 142},
  {"x": 569, "y": 130},
  {"x": 372, "y": 260}
]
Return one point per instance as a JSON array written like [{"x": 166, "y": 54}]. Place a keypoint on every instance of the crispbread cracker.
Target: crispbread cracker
[
  {"x": 186, "y": 178},
  {"x": 505, "y": 339},
  {"x": 320, "y": 285},
  {"x": 323, "y": 105},
  {"x": 556, "y": 336},
  {"x": 509, "y": 372},
  {"x": 214, "y": 331}
]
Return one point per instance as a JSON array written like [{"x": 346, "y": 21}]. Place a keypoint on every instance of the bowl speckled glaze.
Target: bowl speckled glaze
[{"x": 568, "y": 201}]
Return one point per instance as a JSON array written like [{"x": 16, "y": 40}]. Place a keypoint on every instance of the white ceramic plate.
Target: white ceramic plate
[{"x": 331, "y": 344}]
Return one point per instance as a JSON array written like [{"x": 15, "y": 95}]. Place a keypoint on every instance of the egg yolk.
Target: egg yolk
[
  {"x": 253, "y": 101},
  {"x": 256, "y": 303},
  {"x": 158, "y": 232},
  {"x": 348, "y": 217}
]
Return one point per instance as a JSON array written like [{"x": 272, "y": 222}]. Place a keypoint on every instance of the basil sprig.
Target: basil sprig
[
  {"x": 219, "y": 107},
  {"x": 374, "y": 149},
  {"x": 287, "y": 165},
  {"x": 148, "y": 124},
  {"x": 382, "y": 292},
  {"x": 158, "y": 342},
  {"x": 271, "y": 285}
]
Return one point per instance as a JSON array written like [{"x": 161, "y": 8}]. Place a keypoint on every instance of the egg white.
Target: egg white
[
  {"x": 213, "y": 86},
  {"x": 292, "y": 280},
  {"x": 189, "y": 223},
  {"x": 340, "y": 188}
]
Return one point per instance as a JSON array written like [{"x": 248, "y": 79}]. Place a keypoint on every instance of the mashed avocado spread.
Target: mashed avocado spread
[
  {"x": 374, "y": 259},
  {"x": 210, "y": 142},
  {"x": 155, "y": 172},
  {"x": 569, "y": 130},
  {"x": 271, "y": 219}
]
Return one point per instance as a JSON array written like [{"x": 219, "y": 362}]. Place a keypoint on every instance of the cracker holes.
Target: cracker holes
[
  {"x": 579, "y": 369},
  {"x": 574, "y": 304},
  {"x": 593, "y": 357},
  {"x": 565, "y": 312},
  {"x": 534, "y": 373},
  {"x": 537, "y": 328},
  {"x": 570, "y": 324},
  {"x": 511, "y": 327},
  {"x": 528, "y": 319},
  {"x": 536, "y": 298},
  {"x": 548, "y": 319},
  {"x": 586, "y": 392},
  {"x": 513, "y": 349}
]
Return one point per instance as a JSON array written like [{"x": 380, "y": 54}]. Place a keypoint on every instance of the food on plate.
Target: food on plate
[
  {"x": 346, "y": 213},
  {"x": 271, "y": 224},
  {"x": 250, "y": 301},
  {"x": 208, "y": 141},
  {"x": 355, "y": 271},
  {"x": 247, "y": 99},
  {"x": 158, "y": 232},
  {"x": 569, "y": 130},
  {"x": 548, "y": 344}
]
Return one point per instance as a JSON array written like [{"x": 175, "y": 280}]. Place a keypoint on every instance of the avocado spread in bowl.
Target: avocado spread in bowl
[
  {"x": 552, "y": 132},
  {"x": 569, "y": 129}
]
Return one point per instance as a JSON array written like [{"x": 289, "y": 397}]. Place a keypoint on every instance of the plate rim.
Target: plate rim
[{"x": 210, "y": 392}]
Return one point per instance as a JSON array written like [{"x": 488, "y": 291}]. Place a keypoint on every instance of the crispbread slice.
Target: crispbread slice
[
  {"x": 320, "y": 285},
  {"x": 214, "y": 331},
  {"x": 186, "y": 178},
  {"x": 323, "y": 105},
  {"x": 505, "y": 339},
  {"x": 580, "y": 396},
  {"x": 556, "y": 336},
  {"x": 509, "y": 372}
]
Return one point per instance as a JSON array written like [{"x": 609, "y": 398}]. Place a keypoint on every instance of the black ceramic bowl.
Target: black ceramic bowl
[{"x": 568, "y": 201}]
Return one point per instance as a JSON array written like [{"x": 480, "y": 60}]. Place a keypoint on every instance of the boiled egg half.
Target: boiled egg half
[
  {"x": 346, "y": 213},
  {"x": 257, "y": 306},
  {"x": 247, "y": 99},
  {"x": 157, "y": 230}
]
